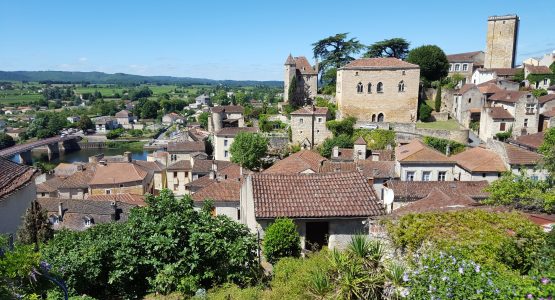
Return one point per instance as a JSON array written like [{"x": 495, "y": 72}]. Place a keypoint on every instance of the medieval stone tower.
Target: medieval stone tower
[
  {"x": 306, "y": 74},
  {"x": 501, "y": 41},
  {"x": 290, "y": 70}
]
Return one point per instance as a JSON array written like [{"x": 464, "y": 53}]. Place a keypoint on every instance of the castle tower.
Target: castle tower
[
  {"x": 501, "y": 41},
  {"x": 290, "y": 69}
]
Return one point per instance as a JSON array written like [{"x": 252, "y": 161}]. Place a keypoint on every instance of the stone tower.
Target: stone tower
[
  {"x": 290, "y": 69},
  {"x": 501, "y": 41}
]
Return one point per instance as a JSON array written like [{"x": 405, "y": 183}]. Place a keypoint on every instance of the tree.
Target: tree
[
  {"x": 547, "y": 148},
  {"x": 432, "y": 61},
  {"x": 441, "y": 145},
  {"x": 281, "y": 240},
  {"x": 6, "y": 141},
  {"x": 437, "y": 102},
  {"x": 248, "y": 148},
  {"x": 85, "y": 123},
  {"x": 345, "y": 126},
  {"x": 396, "y": 47},
  {"x": 424, "y": 112},
  {"x": 341, "y": 141},
  {"x": 203, "y": 119},
  {"x": 35, "y": 228},
  {"x": 539, "y": 92}
]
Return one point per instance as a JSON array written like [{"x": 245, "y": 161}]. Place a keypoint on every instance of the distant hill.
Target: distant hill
[{"x": 120, "y": 78}]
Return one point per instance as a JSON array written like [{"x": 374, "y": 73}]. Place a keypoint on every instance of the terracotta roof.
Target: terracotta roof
[
  {"x": 302, "y": 64},
  {"x": 204, "y": 166},
  {"x": 463, "y": 57},
  {"x": 201, "y": 182},
  {"x": 297, "y": 163},
  {"x": 505, "y": 71},
  {"x": 546, "y": 98},
  {"x": 549, "y": 113},
  {"x": 115, "y": 173},
  {"x": 489, "y": 87},
  {"x": 417, "y": 151},
  {"x": 325, "y": 195},
  {"x": 155, "y": 166},
  {"x": 480, "y": 160},
  {"x": 180, "y": 165},
  {"x": 521, "y": 157},
  {"x": 538, "y": 69},
  {"x": 138, "y": 200},
  {"x": 465, "y": 88},
  {"x": 228, "y": 109},
  {"x": 289, "y": 60},
  {"x": 79, "y": 179},
  {"x": 415, "y": 190},
  {"x": 307, "y": 110},
  {"x": 221, "y": 191},
  {"x": 377, "y": 169},
  {"x": 233, "y": 131},
  {"x": 123, "y": 114},
  {"x": 437, "y": 200},
  {"x": 384, "y": 154},
  {"x": 499, "y": 112},
  {"x": 360, "y": 141},
  {"x": 186, "y": 147},
  {"x": 13, "y": 177},
  {"x": 533, "y": 141},
  {"x": 51, "y": 185},
  {"x": 344, "y": 154},
  {"x": 338, "y": 166},
  {"x": 507, "y": 96},
  {"x": 378, "y": 64}
]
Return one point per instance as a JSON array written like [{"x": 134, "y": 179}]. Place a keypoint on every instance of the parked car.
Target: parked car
[{"x": 368, "y": 126}]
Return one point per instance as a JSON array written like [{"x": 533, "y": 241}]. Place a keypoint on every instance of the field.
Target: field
[
  {"x": 11, "y": 97},
  {"x": 446, "y": 125}
]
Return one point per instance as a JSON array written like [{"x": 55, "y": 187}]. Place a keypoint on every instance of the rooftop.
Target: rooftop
[
  {"x": 233, "y": 131},
  {"x": 437, "y": 200},
  {"x": 228, "y": 109},
  {"x": 297, "y": 163},
  {"x": 13, "y": 177},
  {"x": 507, "y": 96},
  {"x": 499, "y": 112},
  {"x": 463, "y": 57},
  {"x": 116, "y": 173},
  {"x": 417, "y": 151},
  {"x": 415, "y": 190},
  {"x": 480, "y": 160},
  {"x": 546, "y": 98},
  {"x": 220, "y": 191},
  {"x": 186, "y": 147},
  {"x": 378, "y": 64},
  {"x": 519, "y": 156},
  {"x": 307, "y": 110},
  {"x": 532, "y": 141},
  {"x": 538, "y": 69}
]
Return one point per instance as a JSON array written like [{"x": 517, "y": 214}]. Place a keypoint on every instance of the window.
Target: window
[
  {"x": 530, "y": 107},
  {"x": 43, "y": 194},
  {"x": 441, "y": 176},
  {"x": 225, "y": 153},
  {"x": 450, "y": 67},
  {"x": 380, "y": 117},
  {"x": 107, "y": 191},
  {"x": 410, "y": 176},
  {"x": 225, "y": 142},
  {"x": 379, "y": 87},
  {"x": 301, "y": 120},
  {"x": 356, "y": 73},
  {"x": 373, "y": 117},
  {"x": 457, "y": 67},
  {"x": 369, "y": 88},
  {"x": 88, "y": 221},
  {"x": 465, "y": 67},
  {"x": 426, "y": 176},
  {"x": 502, "y": 126},
  {"x": 525, "y": 122},
  {"x": 319, "y": 119},
  {"x": 484, "y": 175},
  {"x": 360, "y": 88},
  {"x": 238, "y": 214},
  {"x": 121, "y": 185},
  {"x": 174, "y": 174},
  {"x": 403, "y": 72},
  {"x": 469, "y": 100},
  {"x": 545, "y": 81},
  {"x": 401, "y": 86}
]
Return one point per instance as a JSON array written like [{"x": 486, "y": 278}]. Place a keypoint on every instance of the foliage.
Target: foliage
[
  {"x": 345, "y": 126},
  {"x": 281, "y": 240},
  {"x": 147, "y": 109},
  {"x": 377, "y": 139},
  {"x": 503, "y": 135},
  {"x": 328, "y": 81},
  {"x": 341, "y": 141},
  {"x": 535, "y": 78},
  {"x": 203, "y": 119},
  {"x": 6, "y": 141},
  {"x": 503, "y": 240},
  {"x": 266, "y": 125},
  {"x": 35, "y": 227},
  {"x": 247, "y": 149},
  {"x": 547, "y": 148},
  {"x": 332, "y": 108},
  {"x": 46, "y": 124},
  {"x": 115, "y": 133},
  {"x": 452, "y": 81},
  {"x": 437, "y": 102},
  {"x": 519, "y": 75},
  {"x": 85, "y": 123},
  {"x": 522, "y": 192},
  {"x": 143, "y": 92},
  {"x": 475, "y": 126},
  {"x": 432, "y": 61},
  {"x": 539, "y": 92},
  {"x": 395, "y": 47},
  {"x": 424, "y": 112},
  {"x": 441, "y": 145},
  {"x": 165, "y": 246}
]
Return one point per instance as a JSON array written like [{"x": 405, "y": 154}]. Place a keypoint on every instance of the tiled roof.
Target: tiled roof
[
  {"x": 549, "y": 113},
  {"x": 507, "y": 96},
  {"x": 360, "y": 141},
  {"x": 155, "y": 166},
  {"x": 437, "y": 200},
  {"x": 345, "y": 154},
  {"x": 204, "y": 166},
  {"x": 538, "y": 69},
  {"x": 489, "y": 87},
  {"x": 463, "y": 57},
  {"x": 138, "y": 200},
  {"x": 79, "y": 179},
  {"x": 505, "y": 71},
  {"x": 123, "y": 114},
  {"x": 302, "y": 64},
  {"x": 115, "y": 173},
  {"x": 314, "y": 196},
  {"x": 221, "y": 191},
  {"x": 533, "y": 141},
  {"x": 233, "y": 131},
  {"x": 338, "y": 166},
  {"x": 521, "y": 157},
  {"x": 415, "y": 190},
  {"x": 417, "y": 151},
  {"x": 465, "y": 88},
  {"x": 499, "y": 112},
  {"x": 186, "y": 147},
  {"x": 307, "y": 110},
  {"x": 297, "y": 163},
  {"x": 384, "y": 154},
  {"x": 201, "y": 182},
  {"x": 228, "y": 109},
  {"x": 379, "y": 63},
  {"x": 13, "y": 177},
  {"x": 289, "y": 60},
  {"x": 480, "y": 160},
  {"x": 51, "y": 185},
  {"x": 180, "y": 165},
  {"x": 377, "y": 169},
  {"x": 546, "y": 98}
]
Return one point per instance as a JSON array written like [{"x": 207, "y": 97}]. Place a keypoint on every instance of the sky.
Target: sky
[{"x": 240, "y": 40}]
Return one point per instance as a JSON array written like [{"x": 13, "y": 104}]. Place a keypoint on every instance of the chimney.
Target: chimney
[
  {"x": 214, "y": 166},
  {"x": 60, "y": 210},
  {"x": 335, "y": 152},
  {"x": 127, "y": 156},
  {"x": 212, "y": 175}
]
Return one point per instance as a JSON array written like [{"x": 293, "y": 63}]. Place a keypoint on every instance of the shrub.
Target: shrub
[
  {"x": 377, "y": 139},
  {"x": 503, "y": 136},
  {"x": 342, "y": 141},
  {"x": 345, "y": 126},
  {"x": 281, "y": 240},
  {"x": 441, "y": 145},
  {"x": 424, "y": 112}
]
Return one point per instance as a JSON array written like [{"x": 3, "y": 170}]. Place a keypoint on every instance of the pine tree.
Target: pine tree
[
  {"x": 437, "y": 103},
  {"x": 35, "y": 228}
]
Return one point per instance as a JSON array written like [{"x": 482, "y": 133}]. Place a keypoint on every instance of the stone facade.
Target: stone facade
[
  {"x": 307, "y": 76},
  {"x": 465, "y": 64},
  {"x": 308, "y": 126},
  {"x": 467, "y": 104},
  {"x": 378, "y": 90},
  {"x": 501, "y": 41}
]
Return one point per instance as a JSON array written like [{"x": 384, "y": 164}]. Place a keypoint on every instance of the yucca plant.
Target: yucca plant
[{"x": 320, "y": 284}]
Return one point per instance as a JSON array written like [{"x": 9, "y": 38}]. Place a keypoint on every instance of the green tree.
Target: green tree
[
  {"x": 345, "y": 126},
  {"x": 539, "y": 92},
  {"x": 281, "y": 240},
  {"x": 547, "y": 148},
  {"x": 377, "y": 139},
  {"x": 424, "y": 112},
  {"x": 6, "y": 141},
  {"x": 395, "y": 47},
  {"x": 437, "y": 102},
  {"x": 432, "y": 61},
  {"x": 341, "y": 141},
  {"x": 203, "y": 119},
  {"x": 441, "y": 145},
  {"x": 85, "y": 123},
  {"x": 248, "y": 148},
  {"x": 35, "y": 228}
]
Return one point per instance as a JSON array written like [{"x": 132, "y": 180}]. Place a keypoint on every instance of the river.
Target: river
[{"x": 83, "y": 155}]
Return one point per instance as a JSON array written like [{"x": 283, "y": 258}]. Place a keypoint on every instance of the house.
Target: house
[
  {"x": 124, "y": 117},
  {"x": 206, "y": 172},
  {"x": 519, "y": 160},
  {"x": 306, "y": 76},
  {"x": 172, "y": 118},
  {"x": 203, "y": 167},
  {"x": 226, "y": 116},
  {"x": 464, "y": 64},
  {"x": 302, "y": 162},
  {"x": 73, "y": 119},
  {"x": 417, "y": 161},
  {"x": 308, "y": 126},
  {"x": 327, "y": 208},
  {"x": 17, "y": 190},
  {"x": 185, "y": 150},
  {"x": 121, "y": 178},
  {"x": 225, "y": 197},
  {"x": 224, "y": 138},
  {"x": 378, "y": 90},
  {"x": 467, "y": 104},
  {"x": 15, "y": 133},
  {"x": 484, "y": 75},
  {"x": 529, "y": 142},
  {"x": 202, "y": 100},
  {"x": 178, "y": 175},
  {"x": 541, "y": 76},
  {"x": 477, "y": 164},
  {"x": 104, "y": 124},
  {"x": 358, "y": 152},
  {"x": 159, "y": 179},
  {"x": 547, "y": 111}
]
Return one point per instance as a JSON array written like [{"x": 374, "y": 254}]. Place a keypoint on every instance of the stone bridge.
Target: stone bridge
[{"x": 24, "y": 150}]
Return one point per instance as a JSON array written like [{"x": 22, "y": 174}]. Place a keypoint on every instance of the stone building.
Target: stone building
[
  {"x": 547, "y": 111},
  {"x": 308, "y": 126},
  {"x": 417, "y": 161},
  {"x": 477, "y": 164},
  {"x": 226, "y": 116},
  {"x": 378, "y": 90},
  {"x": 306, "y": 76},
  {"x": 542, "y": 72},
  {"x": 501, "y": 41},
  {"x": 465, "y": 64},
  {"x": 467, "y": 104}
]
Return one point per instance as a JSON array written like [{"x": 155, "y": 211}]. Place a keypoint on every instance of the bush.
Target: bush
[
  {"x": 345, "y": 126},
  {"x": 377, "y": 139},
  {"x": 6, "y": 141},
  {"x": 281, "y": 240},
  {"x": 503, "y": 136},
  {"x": 441, "y": 145},
  {"x": 114, "y": 134},
  {"x": 424, "y": 112},
  {"x": 437, "y": 102},
  {"x": 342, "y": 141}
]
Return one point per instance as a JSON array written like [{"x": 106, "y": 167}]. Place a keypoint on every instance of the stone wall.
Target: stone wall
[
  {"x": 301, "y": 129},
  {"x": 407, "y": 131},
  {"x": 501, "y": 42}
]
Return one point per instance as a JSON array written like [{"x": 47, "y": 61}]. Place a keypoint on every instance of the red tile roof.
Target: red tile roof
[
  {"x": 465, "y": 88},
  {"x": 186, "y": 147},
  {"x": 205, "y": 166},
  {"x": 228, "y": 109},
  {"x": 521, "y": 157},
  {"x": 500, "y": 113},
  {"x": 436, "y": 200},
  {"x": 417, "y": 151},
  {"x": 538, "y": 69},
  {"x": 221, "y": 191},
  {"x": 116, "y": 173},
  {"x": 180, "y": 165},
  {"x": 377, "y": 169},
  {"x": 533, "y": 141},
  {"x": 307, "y": 110},
  {"x": 415, "y": 190},
  {"x": 489, "y": 87},
  {"x": 546, "y": 98},
  {"x": 360, "y": 141},
  {"x": 480, "y": 160},
  {"x": 463, "y": 57},
  {"x": 304, "y": 67},
  {"x": 507, "y": 96},
  {"x": 314, "y": 196},
  {"x": 378, "y": 64},
  {"x": 505, "y": 71},
  {"x": 51, "y": 185},
  {"x": 138, "y": 200},
  {"x": 13, "y": 177},
  {"x": 297, "y": 163},
  {"x": 123, "y": 114},
  {"x": 549, "y": 113}
]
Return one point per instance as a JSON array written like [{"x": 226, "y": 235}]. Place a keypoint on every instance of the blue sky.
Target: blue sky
[{"x": 240, "y": 39}]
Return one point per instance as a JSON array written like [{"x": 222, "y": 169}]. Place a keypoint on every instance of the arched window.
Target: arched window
[
  {"x": 379, "y": 87},
  {"x": 360, "y": 88},
  {"x": 401, "y": 86},
  {"x": 369, "y": 88},
  {"x": 373, "y": 117},
  {"x": 380, "y": 117}
]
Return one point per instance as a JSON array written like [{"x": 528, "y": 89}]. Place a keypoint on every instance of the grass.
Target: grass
[{"x": 445, "y": 125}]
